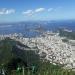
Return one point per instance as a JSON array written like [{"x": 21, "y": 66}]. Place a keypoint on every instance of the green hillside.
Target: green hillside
[{"x": 14, "y": 61}]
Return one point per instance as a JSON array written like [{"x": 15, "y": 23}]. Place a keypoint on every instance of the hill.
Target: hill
[{"x": 16, "y": 61}]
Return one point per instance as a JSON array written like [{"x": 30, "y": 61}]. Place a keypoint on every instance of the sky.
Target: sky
[{"x": 31, "y": 10}]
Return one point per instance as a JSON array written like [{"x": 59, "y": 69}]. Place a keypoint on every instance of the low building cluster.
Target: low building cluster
[{"x": 50, "y": 46}]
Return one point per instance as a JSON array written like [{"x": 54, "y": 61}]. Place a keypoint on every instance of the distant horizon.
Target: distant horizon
[{"x": 37, "y": 21}]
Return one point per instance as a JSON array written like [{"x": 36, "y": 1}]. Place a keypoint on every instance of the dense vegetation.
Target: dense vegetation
[{"x": 15, "y": 61}]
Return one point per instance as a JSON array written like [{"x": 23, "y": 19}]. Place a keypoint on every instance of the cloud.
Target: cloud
[
  {"x": 54, "y": 9},
  {"x": 28, "y": 12},
  {"x": 10, "y": 11},
  {"x": 31, "y": 12},
  {"x": 39, "y": 10},
  {"x": 5, "y": 11},
  {"x": 50, "y": 9}
]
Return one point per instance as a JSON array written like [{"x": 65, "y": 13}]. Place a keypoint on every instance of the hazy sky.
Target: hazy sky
[{"x": 20, "y": 10}]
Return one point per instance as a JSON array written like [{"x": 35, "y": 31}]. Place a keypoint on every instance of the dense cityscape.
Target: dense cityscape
[
  {"x": 50, "y": 45},
  {"x": 37, "y": 37}
]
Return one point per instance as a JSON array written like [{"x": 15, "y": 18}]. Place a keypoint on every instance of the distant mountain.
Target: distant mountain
[{"x": 29, "y": 28}]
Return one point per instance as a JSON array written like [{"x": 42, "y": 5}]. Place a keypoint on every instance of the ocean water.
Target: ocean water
[{"x": 28, "y": 29}]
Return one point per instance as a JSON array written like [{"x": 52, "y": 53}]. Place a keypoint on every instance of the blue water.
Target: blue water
[{"x": 28, "y": 28}]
